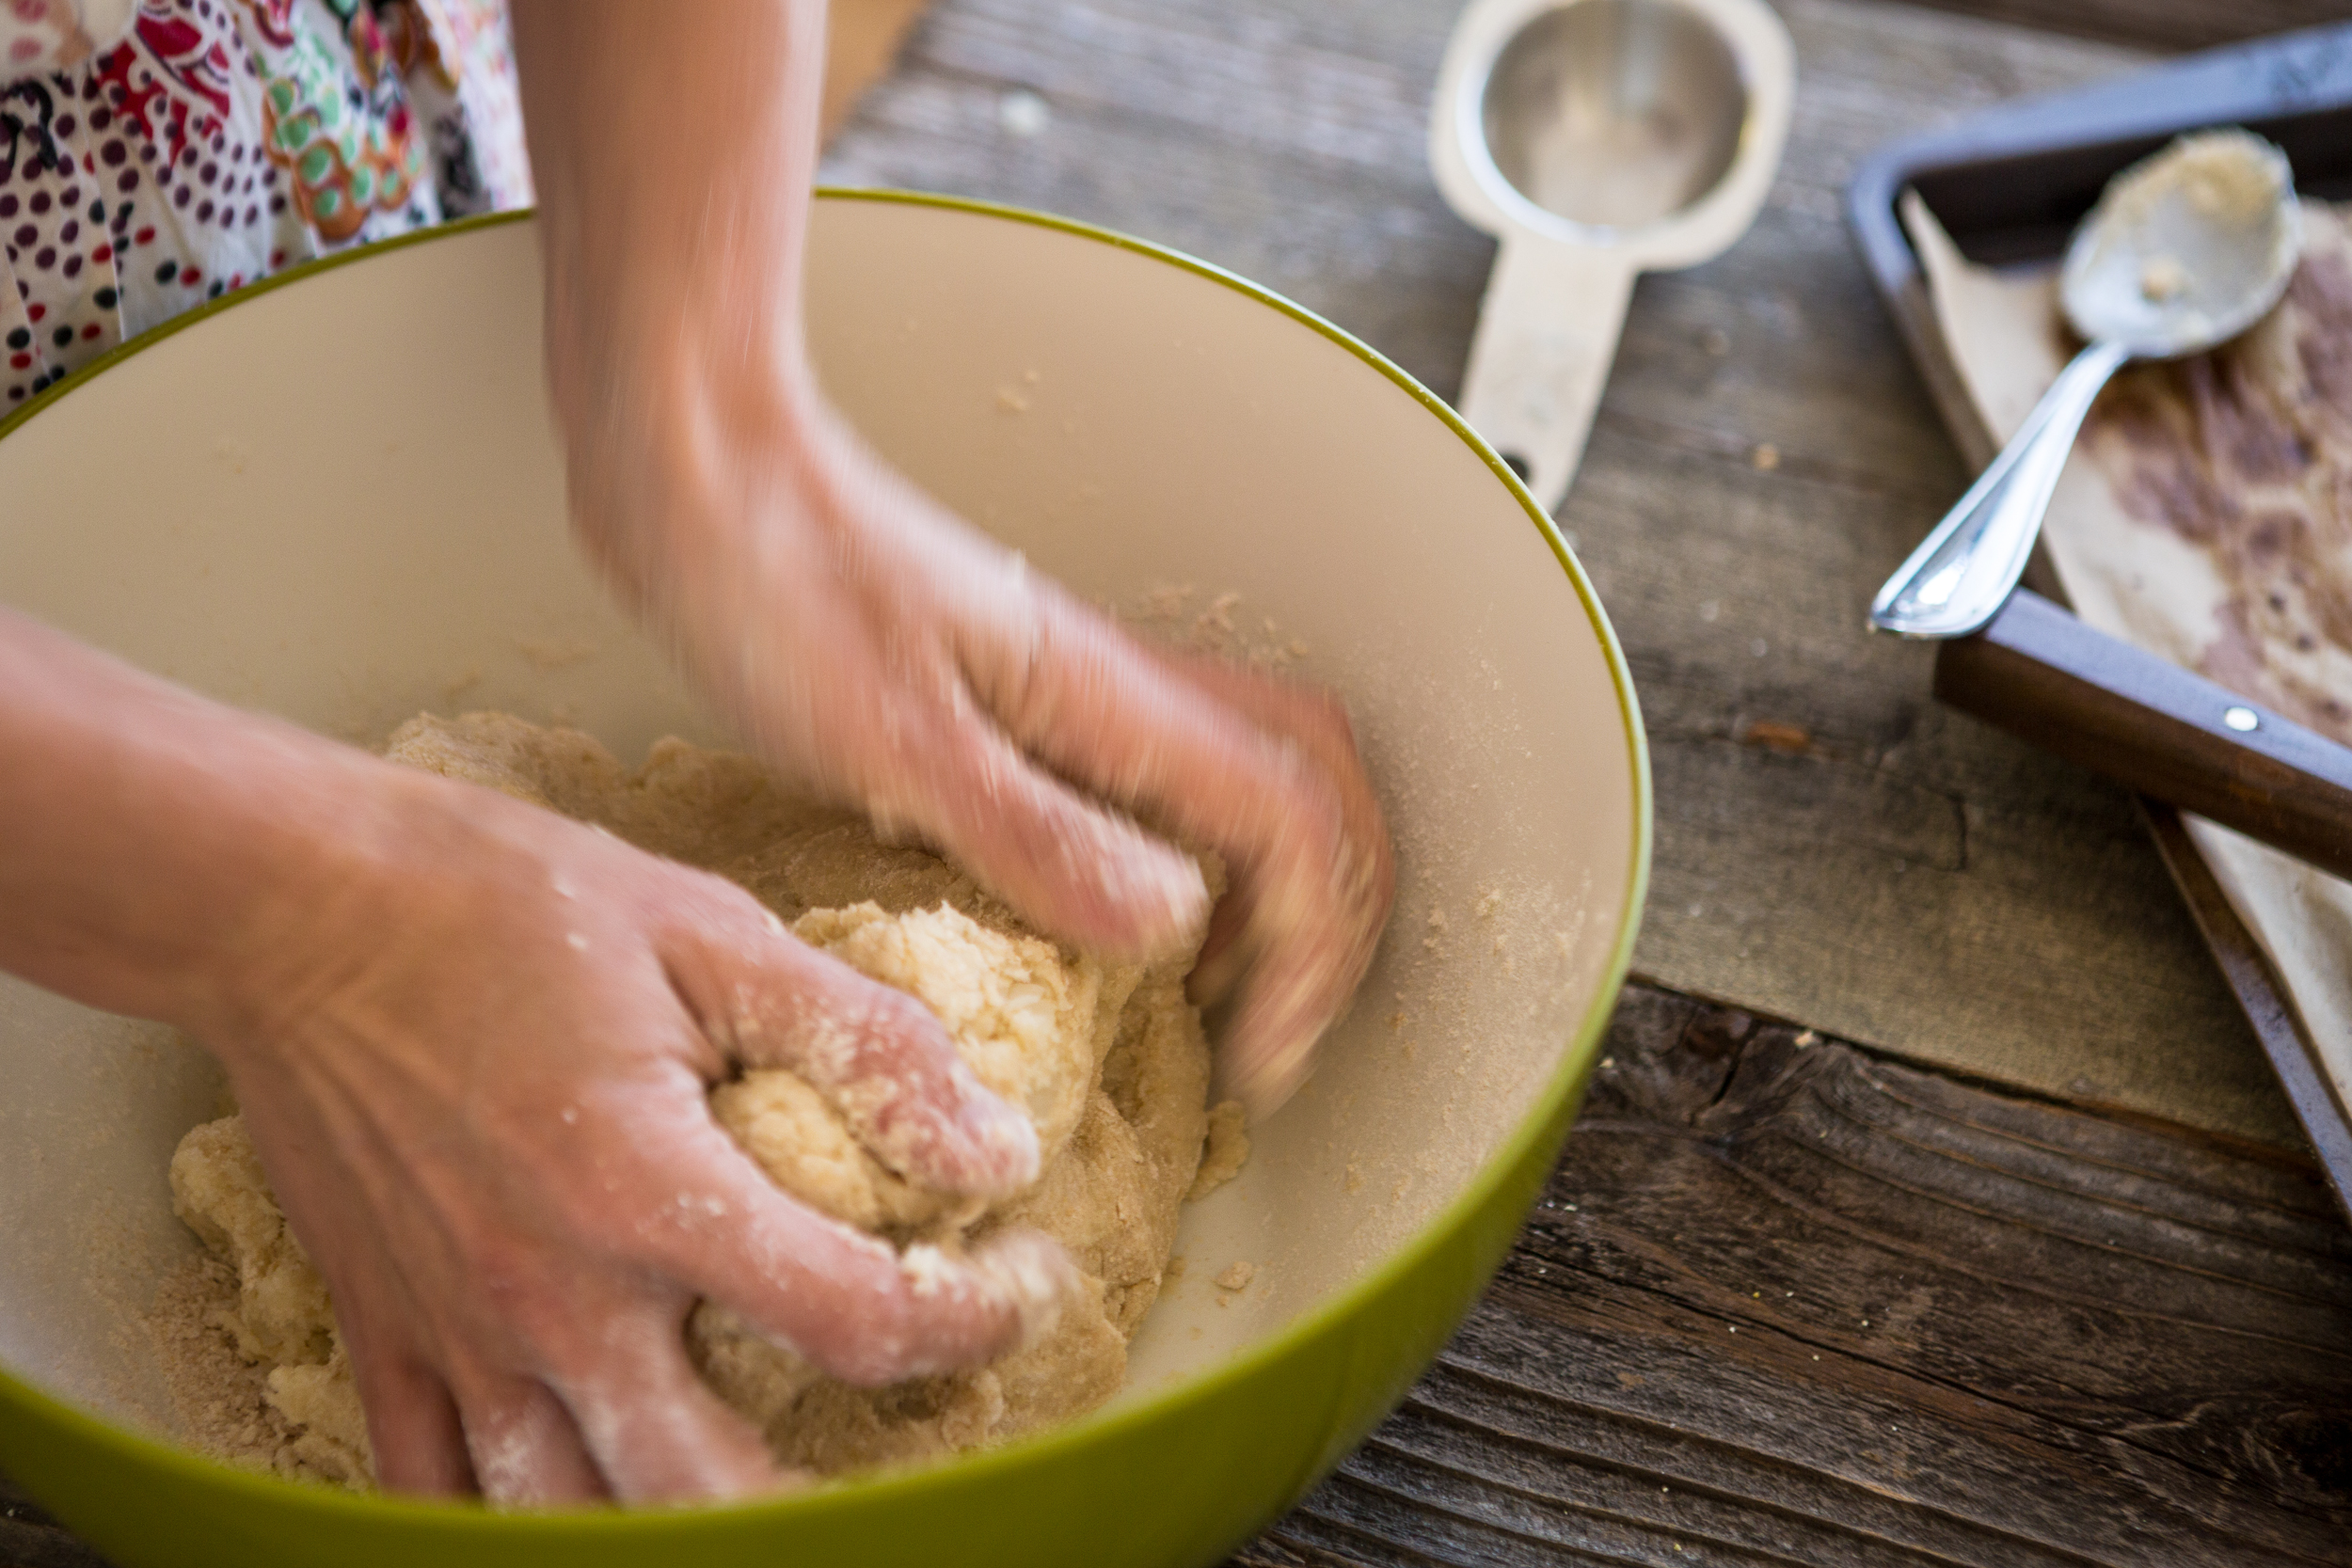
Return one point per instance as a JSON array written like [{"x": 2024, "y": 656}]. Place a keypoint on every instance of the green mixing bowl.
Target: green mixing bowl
[{"x": 335, "y": 495}]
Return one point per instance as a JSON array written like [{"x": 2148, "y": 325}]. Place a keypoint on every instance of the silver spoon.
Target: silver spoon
[{"x": 2186, "y": 249}]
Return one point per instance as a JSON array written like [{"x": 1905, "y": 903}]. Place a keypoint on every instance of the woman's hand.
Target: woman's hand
[
  {"x": 878, "y": 648},
  {"x": 871, "y": 644},
  {"x": 472, "y": 1042},
  {"x": 477, "y": 1082}
]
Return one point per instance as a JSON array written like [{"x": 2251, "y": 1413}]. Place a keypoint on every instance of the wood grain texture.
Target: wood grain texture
[
  {"x": 2158, "y": 24},
  {"x": 1831, "y": 843},
  {"x": 29, "y": 1538},
  {"x": 1788, "y": 1302}
]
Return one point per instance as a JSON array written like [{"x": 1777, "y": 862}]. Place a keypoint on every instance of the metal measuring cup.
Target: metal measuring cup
[{"x": 1594, "y": 140}]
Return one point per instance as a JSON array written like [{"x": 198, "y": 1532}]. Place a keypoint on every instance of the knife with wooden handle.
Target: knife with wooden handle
[{"x": 2043, "y": 675}]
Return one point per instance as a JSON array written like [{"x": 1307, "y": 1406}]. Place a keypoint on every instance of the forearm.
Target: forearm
[
  {"x": 675, "y": 148},
  {"x": 155, "y": 847}
]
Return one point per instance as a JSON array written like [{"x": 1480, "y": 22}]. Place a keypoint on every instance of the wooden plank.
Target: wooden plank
[
  {"x": 1831, "y": 844},
  {"x": 1786, "y": 1302},
  {"x": 29, "y": 1538},
  {"x": 2158, "y": 24}
]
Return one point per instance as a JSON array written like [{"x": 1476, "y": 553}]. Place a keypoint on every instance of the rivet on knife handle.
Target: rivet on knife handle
[{"x": 2144, "y": 722}]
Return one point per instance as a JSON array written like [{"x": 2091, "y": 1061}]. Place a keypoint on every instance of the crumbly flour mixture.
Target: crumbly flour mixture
[{"x": 1108, "y": 1062}]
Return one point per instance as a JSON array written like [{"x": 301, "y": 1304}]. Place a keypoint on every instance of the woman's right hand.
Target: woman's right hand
[
  {"x": 477, "y": 1077},
  {"x": 472, "y": 1041}
]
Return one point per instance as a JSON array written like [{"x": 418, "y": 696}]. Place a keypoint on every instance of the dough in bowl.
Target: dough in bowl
[{"x": 1107, "y": 1061}]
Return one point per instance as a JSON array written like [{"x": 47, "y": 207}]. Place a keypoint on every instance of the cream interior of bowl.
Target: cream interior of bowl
[{"x": 340, "y": 501}]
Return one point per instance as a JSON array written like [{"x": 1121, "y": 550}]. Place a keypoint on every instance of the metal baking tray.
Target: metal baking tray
[{"x": 2008, "y": 186}]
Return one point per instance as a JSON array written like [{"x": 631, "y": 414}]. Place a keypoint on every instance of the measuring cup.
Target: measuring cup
[{"x": 1594, "y": 140}]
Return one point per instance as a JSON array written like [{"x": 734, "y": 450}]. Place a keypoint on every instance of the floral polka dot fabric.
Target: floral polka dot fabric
[{"x": 159, "y": 153}]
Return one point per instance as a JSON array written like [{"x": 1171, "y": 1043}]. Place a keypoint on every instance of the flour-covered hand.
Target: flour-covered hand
[
  {"x": 873, "y": 645},
  {"x": 477, "y": 1078},
  {"x": 473, "y": 1043}
]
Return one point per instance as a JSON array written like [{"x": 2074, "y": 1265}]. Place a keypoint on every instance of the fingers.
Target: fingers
[
  {"x": 631, "y": 1423},
  {"x": 1293, "y": 987},
  {"x": 526, "y": 1448},
  {"x": 1267, "y": 774},
  {"x": 771, "y": 1000},
  {"x": 413, "y": 1427},
  {"x": 656, "y": 1431},
  {"x": 1311, "y": 718},
  {"x": 838, "y": 1297},
  {"x": 1076, "y": 869},
  {"x": 498, "y": 1433},
  {"x": 608, "y": 1406}
]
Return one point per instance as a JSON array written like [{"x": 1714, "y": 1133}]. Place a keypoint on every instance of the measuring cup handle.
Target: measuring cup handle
[{"x": 1547, "y": 335}]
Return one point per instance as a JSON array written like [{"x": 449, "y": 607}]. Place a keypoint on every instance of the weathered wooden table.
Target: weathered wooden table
[
  {"x": 1832, "y": 847},
  {"x": 2037, "y": 1271}
]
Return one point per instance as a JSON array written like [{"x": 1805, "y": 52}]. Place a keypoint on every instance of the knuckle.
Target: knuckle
[
  {"x": 1028, "y": 666},
  {"x": 502, "y": 1273},
  {"x": 890, "y": 1030},
  {"x": 889, "y": 1013},
  {"x": 582, "y": 1213},
  {"x": 1019, "y": 684},
  {"x": 707, "y": 900},
  {"x": 1317, "y": 818},
  {"x": 548, "y": 1327}
]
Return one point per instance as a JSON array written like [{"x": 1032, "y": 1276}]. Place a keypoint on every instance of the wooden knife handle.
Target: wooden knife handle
[{"x": 2144, "y": 722}]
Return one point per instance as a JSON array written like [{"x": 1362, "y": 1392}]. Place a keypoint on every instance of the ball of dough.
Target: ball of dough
[{"x": 1108, "y": 1062}]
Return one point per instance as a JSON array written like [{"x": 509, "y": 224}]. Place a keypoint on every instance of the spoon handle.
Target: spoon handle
[{"x": 1961, "y": 574}]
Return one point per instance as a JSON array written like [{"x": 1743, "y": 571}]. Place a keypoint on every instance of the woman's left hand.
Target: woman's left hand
[{"x": 873, "y": 644}]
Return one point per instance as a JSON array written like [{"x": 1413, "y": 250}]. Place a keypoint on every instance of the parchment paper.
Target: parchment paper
[{"x": 2206, "y": 516}]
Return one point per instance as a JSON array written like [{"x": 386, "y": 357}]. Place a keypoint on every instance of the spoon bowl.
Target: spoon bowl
[{"x": 2184, "y": 250}]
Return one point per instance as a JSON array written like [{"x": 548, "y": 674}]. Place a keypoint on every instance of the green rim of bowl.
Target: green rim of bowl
[{"x": 1324, "y": 1317}]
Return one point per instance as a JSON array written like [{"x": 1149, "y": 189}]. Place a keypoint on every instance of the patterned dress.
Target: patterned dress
[{"x": 157, "y": 154}]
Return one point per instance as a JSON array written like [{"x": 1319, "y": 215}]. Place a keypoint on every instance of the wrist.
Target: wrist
[
  {"x": 664, "y": 414},
  {"x": 293, "y": 826},
  {"x": 695, "y": 468},
  {"x": 176, "y": 842}
]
